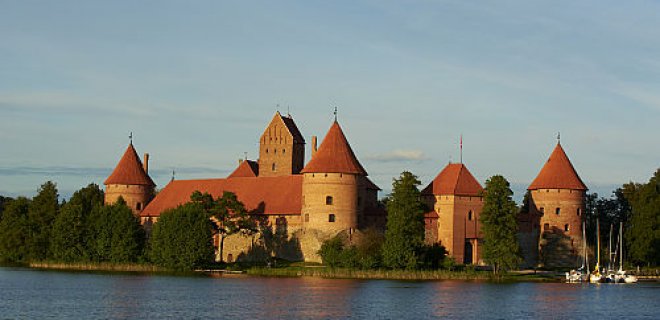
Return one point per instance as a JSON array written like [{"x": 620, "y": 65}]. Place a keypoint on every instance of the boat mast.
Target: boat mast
[
  {"x": 609, "y": 258},
  {"x": 585, "y": 257},
  {"x": 621, "y": 245},
  {"x": 597, "y": 246}
]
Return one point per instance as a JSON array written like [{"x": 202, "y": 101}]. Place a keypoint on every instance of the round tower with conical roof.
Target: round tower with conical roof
[
  {"x": 330, "y": 186},
  {"x": 557, "y": 200},
  {"x": 130, "y": 181}
]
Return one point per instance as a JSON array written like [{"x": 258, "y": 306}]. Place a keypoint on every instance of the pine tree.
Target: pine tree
[
  {"x": 499, "y": 225},
  {"x": 404, "y": 237}
]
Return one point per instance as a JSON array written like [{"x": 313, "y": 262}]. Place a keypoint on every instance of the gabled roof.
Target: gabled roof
[
  {"x": 334, "y": 155},
  {"x": 261, "y": 195},
  {"x": 247, "y": 168},
  {"x": 129, "y": 170},
  {"x": 290, "y": 126},
  {"x": 558, "y": 173},
  {"x": 454, "y": 179},
  {"x": 293, "y": 128}
]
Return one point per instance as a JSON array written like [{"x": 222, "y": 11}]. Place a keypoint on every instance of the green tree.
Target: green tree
[
  {"x": 643, "y": 233},
  {"x": 404, "y": 237},
  {"x": 331, "y": 252},
  {"x": 499, "y": 225},
  {"x": 42, "y": 212},
  {"x": 72, "y": 226},
  {"x": 228, "y": 214},
  {"x": 68, "y": 234},
  {"x": 3, "y": 203},
  {"x": 182, "y": 238},
  {"x": 115, "y": 234},
  {"x": 14, "y": 231}
]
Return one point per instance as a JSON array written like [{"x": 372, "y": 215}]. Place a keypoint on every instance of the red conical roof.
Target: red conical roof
[
  {"x": 334, "y": 155},
  {"x": 247, "y": 168},
  {"x": 454, "y": 179},
  {"x": 558, "y": 173},
  {"x": 129, "y": 170}
]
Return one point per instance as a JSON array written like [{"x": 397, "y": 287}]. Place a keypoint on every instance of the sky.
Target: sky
[{"x": 197, "y": 82}]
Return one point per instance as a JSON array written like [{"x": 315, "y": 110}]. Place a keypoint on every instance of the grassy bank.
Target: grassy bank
[
  {"x": 101, "y": 266},
  {"x": 325, "y": 272}
]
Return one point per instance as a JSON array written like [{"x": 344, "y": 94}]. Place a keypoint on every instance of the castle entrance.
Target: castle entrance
[{"x": 467, "y": 252}]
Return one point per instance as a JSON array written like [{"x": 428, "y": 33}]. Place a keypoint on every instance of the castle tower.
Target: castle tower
[
  {"x": 130, "y": 180},
  {"x": 281, "y": 148},
  {"x": 330, "y": 187},
  {"x": 455, "y": 196},
  {"x": 557, "y": 201}
]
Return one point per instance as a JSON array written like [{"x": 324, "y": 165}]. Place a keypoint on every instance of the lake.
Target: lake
[{"x": 28, "y": 293}]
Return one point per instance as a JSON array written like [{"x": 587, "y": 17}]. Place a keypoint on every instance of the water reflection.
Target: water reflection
[{"x": 31, "y": 294}]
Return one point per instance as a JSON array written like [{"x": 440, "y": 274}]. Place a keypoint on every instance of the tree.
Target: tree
[
  {"x": 115, "y": 234},
  {"x": 404, "y": 237},
  {"x": 72, "y": 226},
  {"x": 3, "y": 203},
  {"x": 499, "y": 225},
  {"x": 182, "y": 238},
  {"x": 228, "y": 214},
  {"x": 68, "y": 234},
  {"x": 643, "y": 233},
  {"x": 42, "y": 212},
  {"x": 14, "y": 230}
]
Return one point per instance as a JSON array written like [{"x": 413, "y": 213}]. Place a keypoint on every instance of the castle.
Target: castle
[{"x": 304, "y": 205}]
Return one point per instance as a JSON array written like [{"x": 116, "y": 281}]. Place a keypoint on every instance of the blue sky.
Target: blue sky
[{"x": 197, "y": 82}]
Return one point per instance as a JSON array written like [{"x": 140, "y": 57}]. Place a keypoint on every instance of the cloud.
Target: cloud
[
  {"x": 398, "y": 156},
  {"x": 95, "y": 172}
]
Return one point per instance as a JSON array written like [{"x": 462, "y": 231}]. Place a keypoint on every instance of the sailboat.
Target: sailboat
[
  {"x": 621, "y": 276},
  {"x": 596, "y": 277},
  {"x": 582, "y": 273}
]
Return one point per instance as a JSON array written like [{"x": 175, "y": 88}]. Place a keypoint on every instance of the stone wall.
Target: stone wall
[{"x": 136, "y": 196}]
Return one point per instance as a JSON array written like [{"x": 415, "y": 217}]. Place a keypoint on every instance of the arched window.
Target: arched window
[
  {"x": 283, "y": 150},
  {"x": 331, "y": 217},
  {"x": 138, "y": 206},
  {"x": 470, "y": 215},
  {"x": 579, "y": 211},
  {"x": 274, "y": 167},
  {"x": 566, "y": 228},
  {"x": 306, "y": 217},
  {"x": 557, "y": 211},
  {"x": 328, "y": 200}
]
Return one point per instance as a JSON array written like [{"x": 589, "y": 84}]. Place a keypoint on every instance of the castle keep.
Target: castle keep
[{"x": 299, "y": 206}]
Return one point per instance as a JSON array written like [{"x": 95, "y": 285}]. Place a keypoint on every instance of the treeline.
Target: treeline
[
  {"x": 80, "y": 230},
  {"x": 84, "y": 230}
]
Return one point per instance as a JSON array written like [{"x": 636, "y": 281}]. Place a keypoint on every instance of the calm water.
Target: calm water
[{"x": 26, "y": 293}]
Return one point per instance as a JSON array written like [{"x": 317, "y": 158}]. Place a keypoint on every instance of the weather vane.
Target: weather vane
[
  {"x": 558, "y": 137},
  {"x": 335, "y": 113},
  {"x": 130, "y": 137}
]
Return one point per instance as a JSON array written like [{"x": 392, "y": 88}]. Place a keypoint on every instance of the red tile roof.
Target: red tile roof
[
  {"x": 264, "y": 195},
  {"x": 334, "y": 155},
  {"x": 129, "y": 170},
  {"x": 558, "y": 173},
  {"x": 370, "y": 185},
  {"x": 454, "y": 179},
  {"x": 246, "y": 169}
]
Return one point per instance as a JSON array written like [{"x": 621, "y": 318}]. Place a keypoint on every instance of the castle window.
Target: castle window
[
  {"x": 566, "y": 228},
  {"x": 138, "y": 206},
  {"x": 283, "y": 150},
  {"x": 579, "y": 211},
  {"x": 546, "y": 227},
  {"x": 542, "y": 209},
  {"x": 328, "y": 200},
  {"x": 331, "y": 217},
  {"x": 266, "y": 150},
  {"x": 470, "y": 215},
  {"x": 275, "y": 151},
  {"x": 274, "y": 167},
  {"x": 306, "y": 217},
  {"x": 557, "y": 211}
]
